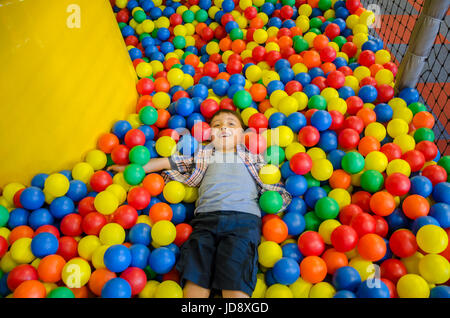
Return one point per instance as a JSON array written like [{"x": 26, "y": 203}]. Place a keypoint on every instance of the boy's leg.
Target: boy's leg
[
  {"x": 192, "y": 290},
  {"x": 234, "y": 294}
]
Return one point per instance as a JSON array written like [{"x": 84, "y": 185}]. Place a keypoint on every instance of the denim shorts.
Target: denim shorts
[{"x": 222, "y": 251}]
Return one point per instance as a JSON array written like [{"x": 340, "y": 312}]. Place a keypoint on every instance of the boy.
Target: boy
[{"x": 221, "y": 252}]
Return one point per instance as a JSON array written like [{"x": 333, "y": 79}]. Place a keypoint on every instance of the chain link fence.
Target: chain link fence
[{"x": 395, "y": 20}]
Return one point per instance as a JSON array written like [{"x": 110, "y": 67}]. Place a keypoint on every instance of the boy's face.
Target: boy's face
[{"x": 226, "y": 132}]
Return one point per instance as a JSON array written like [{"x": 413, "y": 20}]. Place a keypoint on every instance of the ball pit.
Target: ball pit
[{"x": 369, "y": 186}]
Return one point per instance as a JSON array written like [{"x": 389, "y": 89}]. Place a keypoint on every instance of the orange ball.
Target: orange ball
[
  {"x": 285, "y": 42},
  {"x": 20, "y": 232},
  {"x": 313, "y": 3},
  {"x": 311, "y": 59},
  {"x": 374, "y": 68},
  {"x": 264, "y": 105},
  {"x": 321, "y": 41},
  {"x": 258, "y": 92},
  {"x": 225, "y": 44},
  {"x": 295, "y": 58},
  {"x": 171, "y": 62},
  {"x": 224, "y": 76},
  {"x": 334, "y": 260},
  {"x": 238, "y": 46},
  {"x": 313, "y": 269},
  {"x": 256, "y": 23},
  {"x": 328, "y": 67},
  {"x": 415, "y": 206},
  {"x": 163, "y": 118},
  {"x": 162, "y": 84},
  {"x": 340, "y": 179},
  {"x": 368, "y": 144},
  {"x": 160, "y": 211},
  {"x": 98, "y": 279},
  {"x": 296, "y": 31},
  {"x": 107, "y": 142},
  {"x": 30, "y": 289},
  {"x": 192, "y": 59},
  {"x": 382, "y": 203},
  {"x": 367, "y": 115},
  {"x": 82, "y": 292},
  {"x": 371, "y": 247},
  {"x": 423, "y": 119},
  {"x": 154, "y": 183},
  {"x": 50, "y": 268},
  {"x": 275, "y": 230}
]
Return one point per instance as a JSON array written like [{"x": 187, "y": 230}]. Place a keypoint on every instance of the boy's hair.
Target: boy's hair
[{"x": 229, "y": 111}]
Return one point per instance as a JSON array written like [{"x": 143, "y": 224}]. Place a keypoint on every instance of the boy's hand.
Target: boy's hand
[{"x": 116, "y": 168}]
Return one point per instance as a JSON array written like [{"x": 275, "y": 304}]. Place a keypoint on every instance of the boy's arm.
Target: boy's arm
[{"x": 153, "y": 165}]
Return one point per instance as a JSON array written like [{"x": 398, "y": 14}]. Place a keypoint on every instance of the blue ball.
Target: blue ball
[
  {"x": 291, "y": 250},
  {"x": 187, "y": 145},
  {"x": 347, "y": 278},
  {"x": 204, "y": 4},
  {"x": 383, "y": 112},
  {"x": 286, "y": 271},
  {"x": 368, "y": 93},
  {"x": 228, "y": 5},
  {"x": 116, "y": 288},
  {"x": 296, "y": 121},
  {"x": 275, "y": 22},
  {"x": 303, "y": 78},
  {"x": 286, "y": 74},
  {"x": 397, "y": 220},
  {"x": 237, "y": 79},
  {"x": 135, "y": 53},
  {"x": 441, "y": 212},
  {"x": 194, "y": 118},
  {"x": 166, "y": 47},
  {"x": 286, "y": 171},
  {"x": 341, "y": 12},
  {"x": 313, "y": 194},
  {"x": 139, "y": 255},
  {"x": 321, "y": 119},
  {"x": 148, "y": 132},
  {"x": 39, "y": 180},
  {"x": 370, "y": 45},
  {"x": 117, "y": 258},
  {"x": 220, "y": 87},
  {"x": 163, "y": 34},
  {"x": 270, "y": 278},
  {"x": 61, "y": 206},
  {"x": 120, "y": 128},
  {"x": 140, "y": 234},
  {"x": 409, "y": 95},
  {"x": 295, "y": 223},
  {"x": 267, "y": 8},
  {"x": 344, "y": 294},
  {"x": 296, "y": 185},
  {"x": 282, "y": 63},
  {"x": 32, "y": 198},
  {"x": 328, "y": 140},
  {"x": 297, "y": 205},
  {"x": 77, "y": 190},
  {"x": 346, "y": 92},
  {"x": 311, "y": 90},
  {"x": 162, "y": 260},
  {"x": 44, "y": 244},
  {"x": 18, "y": 217},
  {"x": 373, "y": 288},
  {"x": 316, "y": 72},
  {"x": 421, "y": 221},
  {"x": 176, "y": 121},
  {"x": 274, "y": 86},
  {"x": 178, "y": 213},
  {"x": 421, "y": 185},
  {"x": 335, "y": 157},
  {"x": 40, "y": 217},
  {"x": 277, "y": 119},
  {"x": 441, "y": 192},
  {"x": 441, "y": 291}
]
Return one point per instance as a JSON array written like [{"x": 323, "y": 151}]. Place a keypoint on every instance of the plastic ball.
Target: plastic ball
[
  {"x": 435, "y": 269},
  {"x": 366, "y": 289},
  {"x": 162, "y": 260},
  {"x": 275, "y": 230},
  {"x": 286, "y": 271},
  {"x": 415, "y": 206},
  {"x": 30, "y": 289},
  {"x": 76, "y": 273},
  {"x": 412, "y": 286},
  {"x": 300, "y": 163},
  {"x": 432, "y": 239},
  {"x": 346, "y": 278},
  {"x": 311, "y": 243},
  {"x": 116, "y": 288},
  {"x": 32, "y": 198},
  {"x": 56, "y": 184},
  {"x": 313, "y": 269},
  {"x": 403, "y": 243},
  {"x": 117, "y": 258},
  {"x": 165, "y": 146},
  {"x": 106, "y": 202},
  {"x": 163, "y": 232},
  {"x": 44, "y": 244},
  {"x": 174, "y": 192}
]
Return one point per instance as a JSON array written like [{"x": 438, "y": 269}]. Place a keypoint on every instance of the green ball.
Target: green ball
[
  {"x": 312, "y": 221},
  {"x": 372, "y": 181},
  {"x": 148, "y": 115},
  {"x": 326, "y": 208},
  {"x": 139, "y": 16},
  {"x": 340, "y": 41},
  {"x": 122, "y": 25},
  {"x": 236, "y": 34},
  {"x": 300, "y": 44},
  {"x": 315, "y": 30},
  {"x": 326, "y": 187},
  {"x": 139, "y": 155},
  {"x": 4, "y": 216},
  {"x": 315, "y": 23},
  {"x": 179, "y": 42},
  {"x": 444, "y": 162},
  {"x": 149, "y": 272},
  {"x": 270, "y": 202},
  {"x": 134, "y": 174},
  {"x": 242, "y": 99},
  {"x": 188, "y": 16},
  {"x": 143, "y": 36},
  {"x": 423, "y": 133},
  {"x": 201, "y": 15},
  {"x": 324, "y": 5},
  {"x": 317, "y": 102},
  {"x": 311, "y": 181},
  {"x": 61, "y": 292},
  {"x": 417, "y": 107},
  {"x": 274, "y": 155},
  {"x": 290, "y": 3},
  {"x": 353, "y": 162}
]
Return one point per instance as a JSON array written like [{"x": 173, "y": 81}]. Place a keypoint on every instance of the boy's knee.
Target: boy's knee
[
  {"x": 234, "y": 294},
  {"x": 192, "y": 290}
]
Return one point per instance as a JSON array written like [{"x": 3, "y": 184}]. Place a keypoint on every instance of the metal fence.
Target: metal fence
[{"x": 395, "y": 21}]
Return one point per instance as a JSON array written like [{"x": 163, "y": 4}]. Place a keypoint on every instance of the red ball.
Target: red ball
[
  {"x": 145, "y": 86},
  {"x": 332, "y": 30},
  {"x": 250, "y": 12},
  {"x": 293, "y": 86},
  {"x": 47, "y": 229},
  {"x": 397, "y": 184},
  {"x": 227, "y": 103},
  {"x": 348, "y": 212},
  {"x": 328, "y": 54},
  {"x": 348, "y": 138},
  {"x": 259, "y": 53},
  {"x": 209, "y": 107},
  {"x": 3, "y": 246},
  {"x": 126, "y": 216},
  {"x": 184, "y": 230},
  {"x": 119, "y": 155},
  {"x": 369, "y": 80},
  {"x": 391, "y": 287},
  {"x": 335, "y": 79},
  {"x": 175, "y": 19},
  {"x": 435, "y": 173},
  {"x": 415, "y": 159},
  {"x": 382, "y": 226},
  {"x": 71, "y": 225},
  {"x": 366, "y": 58},
  {"x": 363, "y": 223},
  {"x": 320, "y": 82},
  {"x": 86, "y": 205},
  {"x": 234, "y": 67},
  {"x": 20, "y": 274},
  {"x": 337, "y": 120},
  {"x": 392, "y": 269},
  {"x": 136, "y": 277},
  {"x": 286, "y": 12},
  {"x": 385, "y": 93},
  {"x": 68, "y": 247},
  {"x": 428, "y": 149},
  {"x": 392, "y": 151},
  {"x": 354, "y": 104},
  {"x": 134, "y": 137},
  {"x": 391, "y": 67},
  {"x": 258, "y": 122},
  {"x": 349, "y": 48},
  {"x": 311, "y": 243},
  {"x": 100, "y": 180},
  {"x": 255, "y": 142},
  {"x": 210, "y": 69},
  {"x": 362, "y": 199},
  {"x": 201, "y": 131},
  {"x": 272, "y": 57},
  {"x": 354, "y": 122},
  {"x": 403, "y": 243},
  {"x": 309, "y": 136},
  {"x": 353, "y": 5},
  {"x": 138, "y": 198},
  {"x": 300, "y": 163},
  {"x": 92, "y": 223},
  {"x": 344, "y": 238}
]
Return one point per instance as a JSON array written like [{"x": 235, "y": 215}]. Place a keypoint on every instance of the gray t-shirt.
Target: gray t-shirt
[{"x": 227, "y": 186}]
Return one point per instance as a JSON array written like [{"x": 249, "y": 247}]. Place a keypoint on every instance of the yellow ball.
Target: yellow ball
[
  {"x": 341, "y": 196},
  {"x": 384, "y": 76},
  {"x": 260, "y": 288},
  {"x": 97, "y": 159},
  {"x": 144, "y": 69},
  {"x": 7, "y": 263},
  {"x": 149, "y": 290},
  {"x": 165, "y": 146},
  {"x": 148, "y": 26},
  {"x": 337, "y": 104},
  {"x": 253, "y": 73},
  {"x": 276, "y": 97},
  {"x": 161, "y": 100},
  {"x": 82, "y": 171},
  {"x": 329, "y": 93},
  {"x": 360, "y": 38},
  {"x": 305, "y": 9},
  {"x": 326, "y": 228},
  {"x": 300, "y": 288},
  {"x": 412, "y": 286},
  {"x": 288, "y": 105},
  {"x": 405, "y": 142},
  {"x": 21, "y": 251},
  {"x": 174, "y": 192},
  {"x": 353, "y": 81},
  {"x": 398, "y": 165},
  {"x": 316, "y": 153},
  {"x": 87, "y": 245},
  {"x": 382, "y": 57},
  {"x": 404, "y": 113},
  {"x": 56, "y": 184},
  {"x": 270, "y": 76},
  {"x": 376, "y": 160},
  {"x": 375, "y": 130},
  {"x": 168, "y": 289},
  {"x": 175, "y": 76},
  {"x": 352, "y": 20},
  {"x": 118, "y": 191},
  {"x": 97, "y": 256},
  {"x": 10, "y": 190},
  {"x": 278, "y": 291},
  {"x": 270, "y": 174},
  {"x": 397, "y": 127},
  {"x": 190, "y": 195},
  {"x": 434, "y": 268},
  {"x": 260, "y": 36},
  {"x": 292, "y": 149},
  {"x": 120, "y": 180},
  {"x": 106, "y": 202},
  {"x": 322, "y": 290},
  {"x": 432, "y": 239},
  {"x": 76, "y": 273},
  {"x": 302, "y": 100},
  {"x": 247, "y": 113},
  {"x": 163, "y": 232},
  {"x": 269, "y": 253},
  {"x": 322, "y": 169},
  {"x": 111, "y": 234},
  {"x": 364, "y": 267},
  {"x": 285, "y": 135},
  {"x": 361, "y": 72}
]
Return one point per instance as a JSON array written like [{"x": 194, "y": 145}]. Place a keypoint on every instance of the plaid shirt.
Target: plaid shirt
[{"x": 191, "y": 169}]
